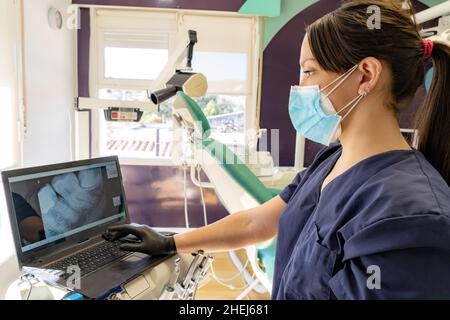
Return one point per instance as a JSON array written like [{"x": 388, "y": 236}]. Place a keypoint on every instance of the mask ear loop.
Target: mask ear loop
[
  {"x": 341, "y": 80},
  {"x": 355, "y": 102}
]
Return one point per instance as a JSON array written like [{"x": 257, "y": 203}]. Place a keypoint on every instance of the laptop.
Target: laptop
[{"x": 58, "y": 214}]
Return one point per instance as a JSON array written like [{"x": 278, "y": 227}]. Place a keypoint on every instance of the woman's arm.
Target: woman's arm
[{"x": 234, "y": 231}]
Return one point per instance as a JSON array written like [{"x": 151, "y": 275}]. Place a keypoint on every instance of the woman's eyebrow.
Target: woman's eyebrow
[{"x": 304, "y": 61}]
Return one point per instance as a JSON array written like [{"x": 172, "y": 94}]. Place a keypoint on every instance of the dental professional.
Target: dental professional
[{"x": 370, "y": 217}]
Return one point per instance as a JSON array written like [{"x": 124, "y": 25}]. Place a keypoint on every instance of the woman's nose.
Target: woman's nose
[{"x": 303, "y": 81}]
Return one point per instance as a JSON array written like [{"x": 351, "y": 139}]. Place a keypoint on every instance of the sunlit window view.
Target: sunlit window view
[
  {"x": 219, "y": 66},
  {"x": 134, "y": 63},
  {"x": 226, "y": 115},
  {"x": 152, "y": 136}
]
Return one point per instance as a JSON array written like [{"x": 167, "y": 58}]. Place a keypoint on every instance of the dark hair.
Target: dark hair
[{"x": 399, "y": 44}]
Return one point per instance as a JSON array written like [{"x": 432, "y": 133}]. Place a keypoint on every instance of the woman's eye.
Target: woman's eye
[{"x": 307, "y": 73}]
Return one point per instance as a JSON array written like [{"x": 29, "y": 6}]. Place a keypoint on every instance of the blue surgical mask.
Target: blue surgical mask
[{"x": 314, "y": 116}]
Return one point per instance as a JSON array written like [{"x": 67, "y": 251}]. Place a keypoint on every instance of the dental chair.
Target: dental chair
[{"x": 237, "y": 187}]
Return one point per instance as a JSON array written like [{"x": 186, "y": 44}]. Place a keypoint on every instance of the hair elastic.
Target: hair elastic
[{"x": 427, "y": 48}]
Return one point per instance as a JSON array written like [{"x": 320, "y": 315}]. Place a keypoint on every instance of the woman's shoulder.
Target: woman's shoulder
[
  {"x": 411, "y": 186},
  {"x": 408, "y": 201}
]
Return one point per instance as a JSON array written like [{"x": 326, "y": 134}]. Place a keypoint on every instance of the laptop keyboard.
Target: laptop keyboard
[{"x": 90, "y": 259}]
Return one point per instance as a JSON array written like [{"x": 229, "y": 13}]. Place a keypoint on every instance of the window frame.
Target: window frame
[{"x": 97, "y": 67}]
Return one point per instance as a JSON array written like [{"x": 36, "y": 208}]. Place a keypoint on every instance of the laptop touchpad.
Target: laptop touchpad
[
  {"x": 136, "y": 257},
  {"x": 117, "y": 273}
]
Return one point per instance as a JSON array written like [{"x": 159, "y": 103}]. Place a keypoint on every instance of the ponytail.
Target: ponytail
[{"x": 433, "y": 120}]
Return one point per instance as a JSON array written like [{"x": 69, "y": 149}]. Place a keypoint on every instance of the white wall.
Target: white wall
[
  {"x": 49, "y": 62},
  {"x": 9, "y": 140},
  {"x": 9, "y": 87},
  {"x": 50, "y": 84}
]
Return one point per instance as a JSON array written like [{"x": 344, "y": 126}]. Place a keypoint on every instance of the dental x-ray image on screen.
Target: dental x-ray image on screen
[
  {"x": 71, "y": 200},
  {"x": 52, "y": 205}
]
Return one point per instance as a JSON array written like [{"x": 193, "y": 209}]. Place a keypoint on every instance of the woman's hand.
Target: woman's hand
[{"x": 149, "y": 241}]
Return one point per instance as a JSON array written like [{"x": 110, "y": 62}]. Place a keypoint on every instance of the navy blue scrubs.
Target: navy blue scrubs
[{"x": 380, "y": 230}]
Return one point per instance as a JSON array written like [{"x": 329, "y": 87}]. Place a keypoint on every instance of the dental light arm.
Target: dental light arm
[
  {"x": 193, "y": 84},
  {"x": 437, "y": 11},
  {"x": 184, "y": 50},
  {"x": 442, "y": 30}
]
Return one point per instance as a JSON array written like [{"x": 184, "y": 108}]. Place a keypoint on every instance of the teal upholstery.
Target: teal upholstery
[
  {"x": 238, "y": 170},
  {"x": 274, "y": 191},
  {"x": 197, "y": 114},
  {"x": 240, "y": 173}
]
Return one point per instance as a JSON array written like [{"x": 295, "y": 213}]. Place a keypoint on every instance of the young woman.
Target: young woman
[{"x": 370, "y": 218}]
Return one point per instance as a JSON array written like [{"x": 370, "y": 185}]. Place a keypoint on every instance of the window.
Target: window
[
  {"x": 226, "y": 115},
  {"x": 150, "y": 138},
  {"x": 134, "y": 63},
  {"x": 133, "y": 47},
  {"x": 220, "y": 66}
]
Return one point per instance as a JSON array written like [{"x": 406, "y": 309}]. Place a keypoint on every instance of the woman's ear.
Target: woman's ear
[{"x": 370, "y": 71}]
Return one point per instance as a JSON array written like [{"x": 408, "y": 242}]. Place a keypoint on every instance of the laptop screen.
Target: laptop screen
[{"x": 53, "y": 205}]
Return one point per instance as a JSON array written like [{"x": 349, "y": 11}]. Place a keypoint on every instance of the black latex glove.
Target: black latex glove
[{"x": 149, "y": 241}]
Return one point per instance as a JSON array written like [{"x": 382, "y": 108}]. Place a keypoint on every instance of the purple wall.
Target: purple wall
[
  {"x": 84, "y": 35},
  {"x": 83, "y": 51},
  {"x": 155, "y": 196},
  {"x": 215, "y": 5}
]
